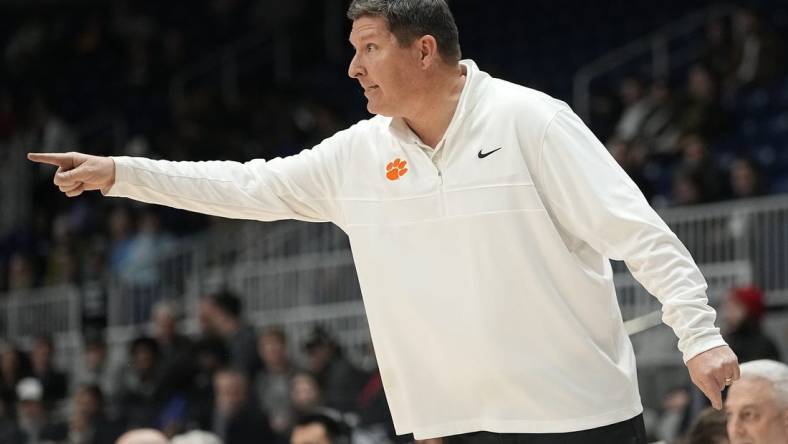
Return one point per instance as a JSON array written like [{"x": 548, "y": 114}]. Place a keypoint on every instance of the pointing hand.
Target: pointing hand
[
  {"x": 79, "y": 172},
  {"x": 712, "y": 371}
]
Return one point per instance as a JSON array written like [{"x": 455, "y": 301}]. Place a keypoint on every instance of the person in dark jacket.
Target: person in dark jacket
[
  {"x": 221, "y": 315},
  {"x": 236, "y": 417},
  {"x": 741, "y": 313},
  {"x": 340, "y": 380}
]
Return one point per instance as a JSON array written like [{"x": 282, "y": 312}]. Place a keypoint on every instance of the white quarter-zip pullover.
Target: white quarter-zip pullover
[{"x": 485, "y": 272}]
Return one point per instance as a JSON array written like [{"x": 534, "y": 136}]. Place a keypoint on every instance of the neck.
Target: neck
[{"x": 437, "y": 105}]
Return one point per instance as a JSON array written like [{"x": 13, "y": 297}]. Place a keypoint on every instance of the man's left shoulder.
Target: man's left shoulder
[{"x": 512, "y": 97}]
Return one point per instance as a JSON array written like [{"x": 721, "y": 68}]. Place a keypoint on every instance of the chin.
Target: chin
[
  {"x": 373, "y": 109},
  {"x": 379, "y": 110}
]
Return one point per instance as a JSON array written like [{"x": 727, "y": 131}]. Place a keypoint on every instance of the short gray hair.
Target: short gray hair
[
  {"x": 196, "y": 437},
  {"x": 776, "y": 373},
  {"x": 411, "y": 19}
]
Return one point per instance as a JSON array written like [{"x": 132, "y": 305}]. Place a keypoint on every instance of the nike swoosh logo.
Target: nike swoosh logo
[{"x": 483, "y": 155}]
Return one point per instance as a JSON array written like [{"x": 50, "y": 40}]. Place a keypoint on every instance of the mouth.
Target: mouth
[{"x": 370, "y": 88}]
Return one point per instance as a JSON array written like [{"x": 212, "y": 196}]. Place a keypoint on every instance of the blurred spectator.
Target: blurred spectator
[
  {"x": 686, "y": 188},
  {"x": 139, "y": 383},
  {"x": 757, "y": 404},
  {"x": 32, "y": 415},
  {"x": 54, "y": 382},
  {"x": 221, "y": 315},
  {"x": 88, "y": 424},
  {"x": 636, "y": 108},
  {"x": 708, "y": 428},
  {"x": 144, "y": 249},
  {"x": 14, "y": 366},
  {"x": 659, "y": 130},
  {"x": 143, "y": 436},
  {"x": 120, "y": 232},
  {"x": 273, "y": 383},
  {"x": 305, "y": 394},
  {"x": 700, "y": 111},
  {"x": 675, "y": 414},
  {"x": 165, "y": 331},
  {"x": 210, "y": 356},
  {"x": 745, "y": 179},
  {"x": 178, "y": 370},
  {"x": 718, "y": 52},
  {"x": 21, "y": 272},
  {"x": 758, "y": 53},
  {"x": 63, "y": 260},
  {"x": 741, "y": 315},
  {"x": 95, "y": 368},
  {"x": 340, "y": 380},
  {"x": 697, "y": 162},
  {"x": 319, "y": 429},
  {"x": 236, "y": 418}
]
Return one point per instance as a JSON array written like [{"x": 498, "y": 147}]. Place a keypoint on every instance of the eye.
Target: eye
[{"x": 370, "y": 47}]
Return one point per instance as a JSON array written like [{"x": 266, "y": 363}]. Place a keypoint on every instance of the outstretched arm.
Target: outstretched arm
[{"x": 300, "y": 187}]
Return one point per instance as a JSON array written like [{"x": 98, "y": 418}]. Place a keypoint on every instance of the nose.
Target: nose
[
  {"x": 355, "y": 69},
  {"x": 734, "y": 427}
]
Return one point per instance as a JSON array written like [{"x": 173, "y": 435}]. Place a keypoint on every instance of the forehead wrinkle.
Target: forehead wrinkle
[
  {"x": 363, "y": 34},
  {"x": 748, "y": 405}
]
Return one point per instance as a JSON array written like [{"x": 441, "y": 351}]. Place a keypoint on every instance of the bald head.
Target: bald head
[
  {"x": 757, "y": 404},
  {"x": 143, "y": 436}
]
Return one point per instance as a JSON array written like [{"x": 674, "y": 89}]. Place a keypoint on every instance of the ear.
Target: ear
[{"x": 428, "y": 51}]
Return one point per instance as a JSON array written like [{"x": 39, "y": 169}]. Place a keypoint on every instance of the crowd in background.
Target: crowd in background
[
  {"x": 238, "y": 383},
  {"x": 99, "y": 78},
  {"x": 246, "y": 386},
  {"x": 673, "y": 136}
]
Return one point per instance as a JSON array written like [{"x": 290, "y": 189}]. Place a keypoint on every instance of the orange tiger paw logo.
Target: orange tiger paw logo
[{"x": 396, "y": 169}]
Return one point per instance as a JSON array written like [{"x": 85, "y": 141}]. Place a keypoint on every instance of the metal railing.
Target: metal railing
[
  {"x": 753, "y": 230},
  {"x": 294, "y": 274},
  {"x": 298, "y": 293},
  {"x": 653, "y": 50}
]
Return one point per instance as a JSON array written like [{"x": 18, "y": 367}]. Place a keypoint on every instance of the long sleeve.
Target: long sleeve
[
  {"x": 302, "y": 186},
  {"x": 593, "y": 199}
]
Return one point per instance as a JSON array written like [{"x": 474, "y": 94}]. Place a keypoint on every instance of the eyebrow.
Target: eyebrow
[
  {"x": 744, "y": 406},
  {"x": 363, "y": 35}
]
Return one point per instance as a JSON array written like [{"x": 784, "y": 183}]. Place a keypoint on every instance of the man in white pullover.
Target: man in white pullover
[{"x": 482, "y": 216}]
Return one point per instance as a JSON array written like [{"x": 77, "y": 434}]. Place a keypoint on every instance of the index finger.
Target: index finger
[
  {"x": 57, "y": 159},
  {"x": 713, "y": 393}
]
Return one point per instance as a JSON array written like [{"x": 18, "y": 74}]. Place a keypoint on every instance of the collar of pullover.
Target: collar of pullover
[{"x": 469, "y": 96}]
